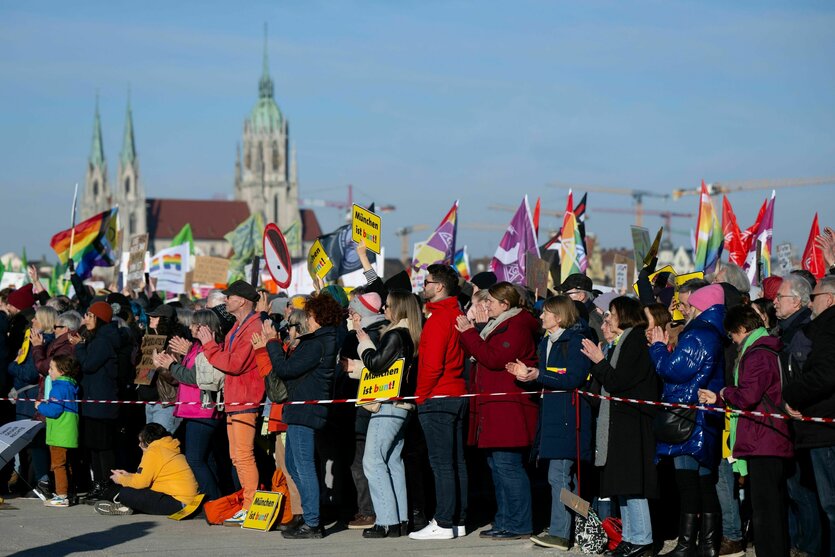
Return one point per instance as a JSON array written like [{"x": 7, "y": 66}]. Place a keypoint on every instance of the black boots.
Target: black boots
[
  {"x": 710, "y": 534},
  {"x": 686, "y": 546}
]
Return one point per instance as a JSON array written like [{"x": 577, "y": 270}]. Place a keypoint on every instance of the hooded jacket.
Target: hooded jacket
[
  {"x": 236, "y": 359},
  {"x": 164, "y": 469},
  {"x": 441, "y": 357},
  {"x": 61, "y": 415},
  {"x": 99, "y": 372},
  {"x": 697, "y": 362}
]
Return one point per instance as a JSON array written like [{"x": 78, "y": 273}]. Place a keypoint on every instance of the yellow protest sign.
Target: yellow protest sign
[
  {"x": 381, "y": 385},
  {"x": 318, "y": 262},
  {"x": 681, "y": 279},
  {"x": 665, "y": 269},
  {"x": 189, "y": 509},
  {"x": 367, "y": 226},
  {"x": 264, "y": 511}
]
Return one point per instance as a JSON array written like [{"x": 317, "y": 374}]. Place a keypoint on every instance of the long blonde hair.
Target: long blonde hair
[
  {"x": 47, "y": 317},
  {"x": 404, "y": 305}
]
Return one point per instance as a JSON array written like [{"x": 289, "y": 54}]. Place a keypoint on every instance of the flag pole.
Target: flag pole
[{"x": 70, "y": 263}]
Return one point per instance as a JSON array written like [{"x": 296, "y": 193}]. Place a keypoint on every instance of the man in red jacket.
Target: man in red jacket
[
  {"x": 440, "y": 372},
  {"x": 244, "y": 387}
]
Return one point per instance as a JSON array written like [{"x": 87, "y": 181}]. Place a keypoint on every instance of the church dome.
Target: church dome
[{"x": 265, "y": 116}]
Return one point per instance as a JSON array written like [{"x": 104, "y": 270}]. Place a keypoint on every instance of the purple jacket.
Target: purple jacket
[{"x": 759, "y": 375}]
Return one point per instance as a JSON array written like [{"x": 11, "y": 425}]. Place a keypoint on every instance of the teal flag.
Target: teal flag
[
  {"x": 246, "y": 241},
  {"x": 293, "y": 237}
]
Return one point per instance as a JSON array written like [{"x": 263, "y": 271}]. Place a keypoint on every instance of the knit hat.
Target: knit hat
[
  {"x": 102, "y": 310},
  {"x": 22, "y": 298},
  {"x": 484, "y": 280},
  {"x": 770, "y": 287},
  {"x": 337, "y": 293},
  {"x": 707, "y": 296},
  {"x": 366, "y": 305}
]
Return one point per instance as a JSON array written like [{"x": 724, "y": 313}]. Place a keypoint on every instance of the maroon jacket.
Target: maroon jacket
[
  {"x": 502, "y": 421},
  {"x": 42, "y": 356},
  {"x": 759, "y": 375}
]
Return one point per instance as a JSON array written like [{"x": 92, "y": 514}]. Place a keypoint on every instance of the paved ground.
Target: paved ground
[{"x": 27, "y": 528}]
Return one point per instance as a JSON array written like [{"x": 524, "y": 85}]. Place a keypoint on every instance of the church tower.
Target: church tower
[
  {"x": 266, "y": 177},
  {"x": 96, "y": 195},
  {"x": 130, "y": 194}
]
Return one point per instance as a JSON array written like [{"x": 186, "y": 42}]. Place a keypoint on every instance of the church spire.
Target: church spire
[
  {"x": 265, "y": 84},
  {"x": 128, "y": 155},
  {"x": 97, "y": 149}
]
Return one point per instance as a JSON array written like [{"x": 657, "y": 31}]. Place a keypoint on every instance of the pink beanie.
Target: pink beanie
[{"x": 707, "y": 296}]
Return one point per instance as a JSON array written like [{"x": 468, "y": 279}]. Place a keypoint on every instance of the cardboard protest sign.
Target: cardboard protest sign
[
  {"x": 653, "y": 250},
  {"x": 318, "y": 262},
  {"x": 277, "y": 256},
  {"x": 264, "y": 511},
  {"x": 381, "y": 385},
  {"x": 536, "y": 274},
  {"x": 574, "y": 502},
  {"x": 210, "y": 270},
  {"x": 640, "y": 242},
  {"x": 146, "y": 367},
  {"x": 135, "y": 275},
  {"x": 623, "y": 269},
  {"x": 784, "y": 258},
  {"x": 367, "y": 226}
]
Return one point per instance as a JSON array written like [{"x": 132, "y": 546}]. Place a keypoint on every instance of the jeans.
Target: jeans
[
  {"x": 442, "y": 420},
  {"x": 383, "y": 465},
  {"x": 162, "y": 415},
  {"x": 199, "y": 434},
  {"x": 725, "y": 487},
  {"x": 769, "y": 504},
  {"x": 560, "y": 475},
  {"x": 687, "y": 462},
  {"x": 804, "y": 517},
  {"x": 148, "y": 501},
  {"x": 301, "y": 463},
  {"x": 513, "y": 490},
  {"x": 822, "y": 459},
  {"x": 637, "y": 527}
]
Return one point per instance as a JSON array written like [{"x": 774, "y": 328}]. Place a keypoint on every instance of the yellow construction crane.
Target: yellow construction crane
[
  {"x": 636, "y": 194},
  {"x": 716, "y": 188}
]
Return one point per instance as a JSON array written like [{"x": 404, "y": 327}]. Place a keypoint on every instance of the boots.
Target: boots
[
  {"x": 710, "y": 534},
  {"x": 96, "y": 493},
  {"x": 686, "y": 546}
]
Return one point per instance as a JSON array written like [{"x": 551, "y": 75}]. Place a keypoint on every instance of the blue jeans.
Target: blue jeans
[
  {"x": 162, "y": 415},
  {"x": 383, "y": 465},
  {"x": 804, "y": 517},
  {"x": 560, "y": 475},
  {"x": 822, "y": 463},
  {"x": 687, "y": 462},
  {"x": 442, "y": 421},
  {"x": 725, "y": 487},
  {"x": 637, "y": 527},
  {"x": 198, "y": 450},
  {"x": 300, "y": 457},
  {"x": 513, "y": 490}
]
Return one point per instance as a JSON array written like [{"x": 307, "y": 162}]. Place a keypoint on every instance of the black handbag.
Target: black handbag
[{"x": 674, "y": 425}]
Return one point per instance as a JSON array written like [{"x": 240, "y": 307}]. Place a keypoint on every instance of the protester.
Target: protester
[
  {"x": 579, "y": 288},
  {"x": 440, "y": 369},
  {"x": 163, "y": 387},
  {"x": 503, "y": 425},
  {"x": 162, "y": 485}
]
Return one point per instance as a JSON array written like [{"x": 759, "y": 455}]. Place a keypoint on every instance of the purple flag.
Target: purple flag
[{"x": 519, "y": 240}]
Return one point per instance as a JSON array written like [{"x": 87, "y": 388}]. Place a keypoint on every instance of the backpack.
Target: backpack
[
  {"x": 279, "y": 485},
  {"x": 225, "y": 507},
  {"x": 589, "y": 534}
]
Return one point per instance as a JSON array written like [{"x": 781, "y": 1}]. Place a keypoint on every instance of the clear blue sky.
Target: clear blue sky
[{"x": 420, "y": 103}]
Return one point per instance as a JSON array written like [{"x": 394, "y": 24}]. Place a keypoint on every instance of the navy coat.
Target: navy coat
[{"x": 100, "y": 372}]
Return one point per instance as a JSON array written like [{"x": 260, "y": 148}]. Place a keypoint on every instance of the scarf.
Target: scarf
[
  {"x": 493, "y": 324},
  {"x": 552, "y": 338},
  {"x": 740, "y": 466},
  {"x": 601, "y": 450}
]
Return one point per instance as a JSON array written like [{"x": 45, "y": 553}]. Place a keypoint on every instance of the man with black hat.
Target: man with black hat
[
  {"x": 578, "y": 287},
  {"x": 244, "y": 388}
]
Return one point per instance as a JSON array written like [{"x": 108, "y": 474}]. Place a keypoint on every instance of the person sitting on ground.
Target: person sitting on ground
[{"x": 162, "y": 485}]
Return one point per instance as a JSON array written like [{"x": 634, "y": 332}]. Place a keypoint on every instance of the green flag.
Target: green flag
[
  {"x": 184, "y": 236},
  {"x": 293, "y": 237},
  {"x": 24, "y": 267},
  {"x": 246, "y": 241},
  {"x": 2, "y": 270}
]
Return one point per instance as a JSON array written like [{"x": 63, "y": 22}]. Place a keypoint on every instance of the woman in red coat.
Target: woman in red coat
[{"x": 505, "y": 426}]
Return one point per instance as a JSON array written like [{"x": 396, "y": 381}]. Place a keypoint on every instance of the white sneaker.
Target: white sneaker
[
  {"x": 58, "y": 501},
  {"x": 460, "y": 531},
  {"x": 433, "y": 532},
  {"x": 237, "y": 519}
]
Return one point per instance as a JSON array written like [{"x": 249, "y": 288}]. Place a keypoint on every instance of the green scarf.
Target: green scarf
[{"x": 740, "y": 466}]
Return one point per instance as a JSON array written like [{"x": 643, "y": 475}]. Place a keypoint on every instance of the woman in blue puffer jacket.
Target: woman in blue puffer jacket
[{"x": 697, "y": 362}]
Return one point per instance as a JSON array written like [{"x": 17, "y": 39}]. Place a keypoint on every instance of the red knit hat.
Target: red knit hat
[
  {"x": 22, "y": 298},
  {"x": 770, "y": 287},
  {"x": 102, "y": 310}
]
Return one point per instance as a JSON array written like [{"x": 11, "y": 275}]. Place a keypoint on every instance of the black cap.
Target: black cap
[
  {"x": 162, "y": 310},
  {"x": 400, "y": 282},
  {"x": 243, "y": 289},
  {"x": 484, "y": 280},
  {"x": 576, "y": 281}
]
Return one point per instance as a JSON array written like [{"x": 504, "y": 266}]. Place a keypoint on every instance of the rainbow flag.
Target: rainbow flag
[
  {"x": 168, "y": 262},
  {"x": 709, "y": 237},
  {"x": 572, "y": 252},
  {"x": 462, "y": 263},
  {"x": 440, "y": 247},
  {"x": 93, "y": 243}
]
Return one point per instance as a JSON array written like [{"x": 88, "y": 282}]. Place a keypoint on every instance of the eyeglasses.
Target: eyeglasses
[
  {"x": 812, "y": 296},
  {"x": 431, "y": 282},
  {"x": 786, "y": 296}
]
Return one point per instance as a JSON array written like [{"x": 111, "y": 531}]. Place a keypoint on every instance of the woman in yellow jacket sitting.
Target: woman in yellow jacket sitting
[{"x": 163, "y": 484}]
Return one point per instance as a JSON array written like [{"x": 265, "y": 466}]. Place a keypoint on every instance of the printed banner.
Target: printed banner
[
  {"x": 318, "y": 262},
  {"x": 367, "y": 226},
  {"x": 169, "y": 267}
]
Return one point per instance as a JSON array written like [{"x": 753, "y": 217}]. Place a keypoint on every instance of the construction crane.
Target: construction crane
[
  {"x": 636, "y": 194},
  {"x": 405, "y": 235},
  {"x": 667, "y": 216},
  {"x": 342, "y": 205},
  {"x": 716, "y": 188}
]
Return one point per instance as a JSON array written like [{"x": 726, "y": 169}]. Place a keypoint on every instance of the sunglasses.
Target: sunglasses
[{"x": 812, "y": 296}]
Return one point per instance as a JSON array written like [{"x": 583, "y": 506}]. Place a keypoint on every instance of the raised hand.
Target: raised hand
[
  {"x": 462, "y": 324},
  {"x": 826, "y": 242},
  {"x": 258, "y": 341},
  {"x": 659, "y": 335},
  {"x": 592, "y": 351},
  {"x": 179, "y": 345}
]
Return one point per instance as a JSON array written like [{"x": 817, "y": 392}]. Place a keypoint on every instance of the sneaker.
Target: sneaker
[
  {"x": 304, "y": 532},
  {"x": 45, "y": 488},
  {"x": 433, "y": 532},
  {"x": 460, "y": 531},
  {"x": 547, "y": 540},
  {"x": 236, "y": 519},
  {"x": 362, "y": 521},
  {"x": 508, "y": 535},
  {"x": 58, "y": 501},
  {"x": 380, "y": 531},
  {"x": 731, "y": 548},
  {"x": 112, "y": 509}
]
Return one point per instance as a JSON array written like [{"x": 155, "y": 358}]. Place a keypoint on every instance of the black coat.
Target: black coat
[
  {"x": 630, "y": 467},
  {"x": 395, "y": 344},
  {"x": 345, "y": 387},
  {"x": 813, "y": 393},
  {"x": 308, "y": 373},
  {"x": 99, "y": 372}
]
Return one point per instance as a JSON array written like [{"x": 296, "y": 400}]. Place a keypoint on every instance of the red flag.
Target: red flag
[
  {"x": 748, "y": 235},
  {"x": 812, "y": 255},
  {"x": 536, "y": 217},
  {"x": 733, "y": 236}
]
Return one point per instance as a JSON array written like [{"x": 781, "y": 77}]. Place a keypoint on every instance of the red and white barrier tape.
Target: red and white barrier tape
[{"x": 716, "y": 409}]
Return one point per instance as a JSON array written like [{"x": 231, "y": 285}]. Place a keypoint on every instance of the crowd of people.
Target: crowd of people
[{"x": 546, "y": 377}]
